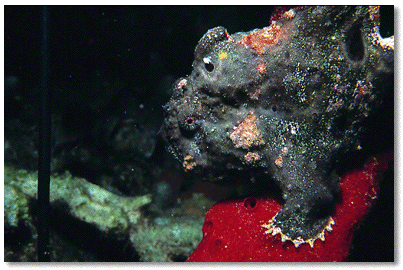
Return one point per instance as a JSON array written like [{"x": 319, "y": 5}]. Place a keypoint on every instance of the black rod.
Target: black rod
[{"x": 44, "y": 145}]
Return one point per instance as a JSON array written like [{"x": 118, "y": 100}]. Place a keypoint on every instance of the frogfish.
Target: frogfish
[{"x": 281, "y": 104}]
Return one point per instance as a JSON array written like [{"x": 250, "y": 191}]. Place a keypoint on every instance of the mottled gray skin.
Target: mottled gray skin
[{"x": 323, "y": 75}]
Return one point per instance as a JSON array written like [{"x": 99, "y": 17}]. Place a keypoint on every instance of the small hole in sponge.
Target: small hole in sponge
[
  {"x": 250, "y": 203},
  {"x": 208, "y": 225},
  {"x": 218, "y": 242}
]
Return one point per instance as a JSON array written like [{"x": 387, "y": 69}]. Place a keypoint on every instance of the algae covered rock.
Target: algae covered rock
[
  {"x": 167, "y": 238},
  {"x": 84, "y": 200},
  {"x": 170, "y": 235}
]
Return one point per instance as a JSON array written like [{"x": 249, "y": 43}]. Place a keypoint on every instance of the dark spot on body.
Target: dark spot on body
[{"x": 354, "y": 42}]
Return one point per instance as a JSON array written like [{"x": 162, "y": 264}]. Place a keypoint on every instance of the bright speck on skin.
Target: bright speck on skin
[{"x": 222, "y": 55}]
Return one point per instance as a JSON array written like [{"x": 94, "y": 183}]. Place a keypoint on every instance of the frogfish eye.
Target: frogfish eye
[
  {"x": 208, "y": 64},
  {"x": 189, "y": 125}
]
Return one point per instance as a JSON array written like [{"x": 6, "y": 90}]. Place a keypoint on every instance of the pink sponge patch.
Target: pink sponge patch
[{"x": 233, "y": 232}]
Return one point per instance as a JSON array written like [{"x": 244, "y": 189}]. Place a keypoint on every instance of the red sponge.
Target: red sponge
[{"x": 233, "y": 232}]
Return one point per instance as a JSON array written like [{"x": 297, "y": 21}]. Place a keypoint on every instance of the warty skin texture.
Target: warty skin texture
[{"x": 282, "y": 102}]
